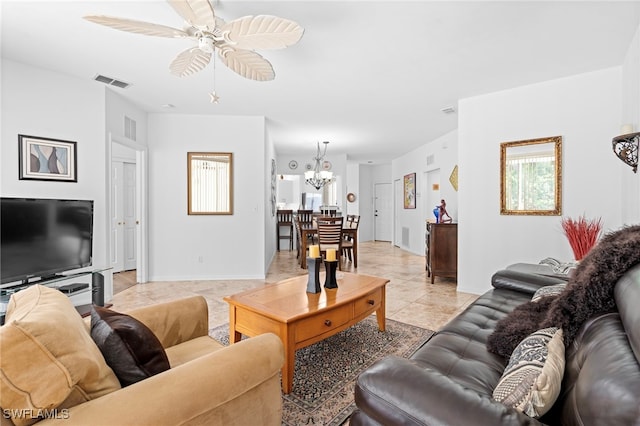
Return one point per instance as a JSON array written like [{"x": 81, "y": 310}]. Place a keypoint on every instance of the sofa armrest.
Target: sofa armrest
[
  {"x": 523, "y": 282},
  {"x": 177, "y": 321},
  {"x": 236, "y": 385},
  {"x": 397, "y": 391}
]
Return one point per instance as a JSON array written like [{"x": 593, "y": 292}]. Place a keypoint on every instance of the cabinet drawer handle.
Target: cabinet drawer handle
[
  {"x": 327, "y": 323},
  {"x": 371, "y": 302}
]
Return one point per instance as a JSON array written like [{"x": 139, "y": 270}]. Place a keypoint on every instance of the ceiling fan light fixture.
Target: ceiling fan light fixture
[
  {"x": 206, "y": 44},
  {"x": 235, "y": 41}
]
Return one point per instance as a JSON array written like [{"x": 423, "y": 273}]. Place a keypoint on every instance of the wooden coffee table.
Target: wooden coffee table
[{"x": 300, "y": 318}]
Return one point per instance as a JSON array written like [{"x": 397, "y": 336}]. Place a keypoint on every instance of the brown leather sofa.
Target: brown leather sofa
[{"x": 450, "y": 379}]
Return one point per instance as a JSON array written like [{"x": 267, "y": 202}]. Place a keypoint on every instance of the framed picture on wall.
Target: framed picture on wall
[
  {"x": 46, "y": 159},
  {"x": 410, "y": 191}
]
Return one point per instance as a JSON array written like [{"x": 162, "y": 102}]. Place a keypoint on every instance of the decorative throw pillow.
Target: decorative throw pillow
[
  {"x": 548, "y": 290},
  {"x": 47, "y": 358},
  {"x": 129, "y": 347},
  {"x": 531, "y": 382}
]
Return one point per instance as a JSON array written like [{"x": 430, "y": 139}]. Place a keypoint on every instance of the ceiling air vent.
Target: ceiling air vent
[{"x": 111, "y": 81}]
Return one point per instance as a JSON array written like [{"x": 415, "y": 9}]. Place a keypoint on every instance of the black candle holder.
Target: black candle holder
[
  {"x": 330, "y": 278},
  {"x": 313, "y": 265}
]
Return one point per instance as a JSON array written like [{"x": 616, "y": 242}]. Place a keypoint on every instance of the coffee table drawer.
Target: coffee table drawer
[
  {"x": 323, "y": 322},
  {"x": 367, "y": 303}
]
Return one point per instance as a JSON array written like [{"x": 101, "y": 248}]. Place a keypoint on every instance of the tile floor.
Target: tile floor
[{"x": 411, "y": 298}]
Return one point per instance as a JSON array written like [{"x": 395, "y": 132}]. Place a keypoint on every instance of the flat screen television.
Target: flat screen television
[{"x": 43, "y": 237}]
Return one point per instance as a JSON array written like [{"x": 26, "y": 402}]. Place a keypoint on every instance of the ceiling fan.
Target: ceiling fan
[{"x": 234, "y": 41}]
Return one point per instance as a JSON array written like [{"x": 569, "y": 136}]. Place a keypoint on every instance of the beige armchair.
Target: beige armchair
[{"x": 207, "y": 383}]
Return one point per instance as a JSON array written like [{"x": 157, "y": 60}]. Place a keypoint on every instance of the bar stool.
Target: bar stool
[{"x": 284, "y": 218}]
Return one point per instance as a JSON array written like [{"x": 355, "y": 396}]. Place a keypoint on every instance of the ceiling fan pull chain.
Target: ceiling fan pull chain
[{"x": 214, "y": 96}]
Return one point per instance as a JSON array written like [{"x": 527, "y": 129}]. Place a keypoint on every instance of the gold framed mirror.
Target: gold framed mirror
[
  {"x": 531, "y": 177},
  {"x": 209, "y": 183}
]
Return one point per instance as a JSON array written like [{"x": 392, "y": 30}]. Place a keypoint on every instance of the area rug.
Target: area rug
[{"x": 325, "y": 372}]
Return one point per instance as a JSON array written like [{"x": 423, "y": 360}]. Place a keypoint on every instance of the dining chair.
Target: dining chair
[
  {"x": 353, "y": 221},
  {"x": 284, "y": 218},
  {"x": 330, "y": 236},
  {"x": 305, "y": 217}
]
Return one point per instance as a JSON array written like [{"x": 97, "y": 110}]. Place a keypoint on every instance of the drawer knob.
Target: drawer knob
[
  {"x": 327, "y": 323},
  {"x": 371, "y": 302}
]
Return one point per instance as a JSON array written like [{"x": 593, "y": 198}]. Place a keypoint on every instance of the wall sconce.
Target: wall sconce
[{"x": 626, "y": 145}]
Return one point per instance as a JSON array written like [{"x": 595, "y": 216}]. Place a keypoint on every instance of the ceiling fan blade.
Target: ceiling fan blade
[
  {"x": 262, "y": 32},
  {"x": 189, "y": 62},
  {"x": 248, "y": 64},
  {"x": 197, "y": 13},
  {"x": 137, "y": 27}
]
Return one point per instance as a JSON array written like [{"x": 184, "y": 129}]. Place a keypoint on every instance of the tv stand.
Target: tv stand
[{"x": 57, "y": 281}]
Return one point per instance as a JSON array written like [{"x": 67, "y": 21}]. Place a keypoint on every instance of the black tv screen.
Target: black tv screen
[{"x": 42, "y": 237}]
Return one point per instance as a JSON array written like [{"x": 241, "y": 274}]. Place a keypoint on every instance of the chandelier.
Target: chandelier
[{"x": 318, "y": 177}]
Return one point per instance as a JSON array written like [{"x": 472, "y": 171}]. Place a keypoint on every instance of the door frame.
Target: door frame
[
  {"x": 397, "y": 202},
  {"x": 142, "y": 206},
  {"x": 375, "y": 204}
]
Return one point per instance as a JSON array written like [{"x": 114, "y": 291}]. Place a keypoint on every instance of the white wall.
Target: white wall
[
  {"x": 117, "y": 107},
  {"x": 231, "y": 246},
  {"x": 630, "y": 188},
  {"x": 585, "y": 110},
  {"x": 368, "y": 176},
  {"x": 269, "y": 234},
  {"x": 38, "y": 102},
  {"x": 444, "y": 153},
  {"x": 352, "y": 183}
]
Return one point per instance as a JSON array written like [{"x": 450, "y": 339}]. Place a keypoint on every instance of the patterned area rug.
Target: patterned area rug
[{"x": 325, "y": 372}]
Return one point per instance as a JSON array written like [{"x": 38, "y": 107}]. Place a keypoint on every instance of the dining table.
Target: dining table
[{"x": 308, "y": 230}]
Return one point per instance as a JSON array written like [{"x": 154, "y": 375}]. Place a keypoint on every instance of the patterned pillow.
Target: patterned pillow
[
  {"x": 531, "y": 382},
  {"x": 548, "y": 290}
]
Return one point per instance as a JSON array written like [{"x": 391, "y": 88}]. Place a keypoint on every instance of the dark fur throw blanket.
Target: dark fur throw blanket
[{"x": 589, "y": 292}]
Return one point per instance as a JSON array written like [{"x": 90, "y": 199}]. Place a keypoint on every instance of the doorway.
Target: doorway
[
  {"x": 135, "y": 155},
  {"x": 123, "y": 214},
  {"x": 382, "y": 211},
  {"x": 432, "y": 200}
]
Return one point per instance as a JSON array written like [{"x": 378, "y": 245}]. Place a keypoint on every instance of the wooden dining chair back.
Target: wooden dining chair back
[
  {"x": 353, "y": 221},
  {"x": 305, "y": 217},
  {"x": 330, "y": 236},
  {"x": 284, "y": 219}
]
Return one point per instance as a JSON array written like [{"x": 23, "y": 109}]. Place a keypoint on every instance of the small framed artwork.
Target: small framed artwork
[
  {"x": 47, "y": 159},
  {"x": 410, "y": 191}
]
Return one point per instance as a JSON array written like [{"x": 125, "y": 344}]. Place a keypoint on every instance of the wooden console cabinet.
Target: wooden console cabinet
[{"x": 442, "y": 250}]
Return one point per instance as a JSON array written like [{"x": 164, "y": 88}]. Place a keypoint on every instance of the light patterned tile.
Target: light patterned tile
[{"x": 410, "y": 298}]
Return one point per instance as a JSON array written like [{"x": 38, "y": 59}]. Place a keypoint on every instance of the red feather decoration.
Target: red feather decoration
[{"x": 582, "y": 234}]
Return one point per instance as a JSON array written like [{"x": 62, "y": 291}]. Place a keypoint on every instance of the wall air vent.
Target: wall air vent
[
  {"x": 111, "y": 81},
  {"x": 405, "y": 236},
  {"x": 130, "y": 128},
  {"x": 431, "y": 159}
]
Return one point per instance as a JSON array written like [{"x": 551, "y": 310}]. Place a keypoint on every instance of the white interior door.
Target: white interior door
[
  {"x": 129, "y": 216},
  {"x": 116, "y": 215},
  {"x": 382, "y": 211},
  {"x": 123, "y": 215}
]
